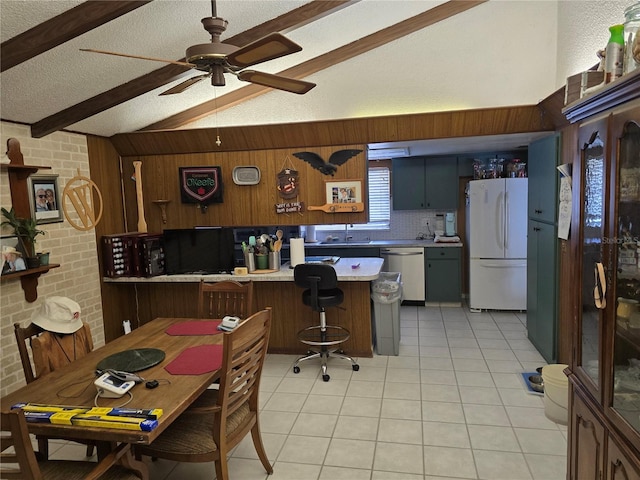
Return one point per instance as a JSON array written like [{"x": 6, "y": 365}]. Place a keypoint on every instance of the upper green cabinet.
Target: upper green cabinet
[
  {"x": 543, "y": 179},
  {"x": 425, "y": 183}
]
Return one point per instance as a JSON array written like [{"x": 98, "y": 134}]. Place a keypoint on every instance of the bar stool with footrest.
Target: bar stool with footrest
[{"x": 321, "y": 291}]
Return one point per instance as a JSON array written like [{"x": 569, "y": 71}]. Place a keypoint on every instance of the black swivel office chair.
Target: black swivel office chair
[{"x": 321, "y": 284}]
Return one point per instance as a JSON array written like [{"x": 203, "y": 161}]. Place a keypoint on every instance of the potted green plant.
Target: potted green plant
[{"x": 26, "y": 229}]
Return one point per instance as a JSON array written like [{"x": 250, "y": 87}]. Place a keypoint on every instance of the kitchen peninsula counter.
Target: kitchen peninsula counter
[{"x": 177, "y": 295}]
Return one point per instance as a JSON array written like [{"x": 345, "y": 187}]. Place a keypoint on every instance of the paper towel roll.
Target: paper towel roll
[{"x": 296, "y": 251}]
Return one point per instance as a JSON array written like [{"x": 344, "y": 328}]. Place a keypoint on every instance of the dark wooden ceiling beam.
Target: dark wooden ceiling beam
[
  {"x": 300, "y": 16},
  {"x": 62, "y": 28},
  {"x": 329, "y": 59}
]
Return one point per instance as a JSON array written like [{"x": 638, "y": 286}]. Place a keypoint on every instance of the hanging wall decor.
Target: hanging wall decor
[
  {"x": 201, "y": 185},
  {"x": 287, "y": 185},
  {"x": 336, "y": 159}
]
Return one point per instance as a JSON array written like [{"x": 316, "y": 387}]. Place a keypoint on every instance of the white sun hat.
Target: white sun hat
[
  {"x": 6, "y": 250},
  {"x": 59, "y": 315}
]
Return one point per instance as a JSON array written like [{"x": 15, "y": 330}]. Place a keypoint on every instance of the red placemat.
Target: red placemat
[
  {"x": 196, "y": 360},
  {"x": 209, "y": 327}
]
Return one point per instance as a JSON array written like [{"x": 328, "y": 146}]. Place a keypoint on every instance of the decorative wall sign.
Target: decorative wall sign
[
  {"x": 44, "y": 198},
  {"x": 327, "y": 168},
  {"x": 79, "y": 193},
  {"x": 201, "y": 185},
  {"x": 287, "y": 183}
]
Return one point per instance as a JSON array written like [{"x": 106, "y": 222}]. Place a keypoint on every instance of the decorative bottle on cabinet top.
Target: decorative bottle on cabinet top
[
  {"x": 614, "y": 54},
  {"x": 631, "y": 38}
]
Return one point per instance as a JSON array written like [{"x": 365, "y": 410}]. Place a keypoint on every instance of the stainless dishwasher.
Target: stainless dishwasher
[{"x": 409, "y": 261}]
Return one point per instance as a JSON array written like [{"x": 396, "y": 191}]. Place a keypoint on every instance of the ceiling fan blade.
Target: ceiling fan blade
[
  {"x": 266, "y": 48},
  {"x": 181, "y": 87},
  {"x": 126, "y": 55},
  {"x": 275, "y": 81}
]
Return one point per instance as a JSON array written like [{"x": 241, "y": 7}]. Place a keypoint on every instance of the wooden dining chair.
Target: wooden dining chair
[
  {"x": 220, "y": 419},
  {"x": 19, "y": 462},
  {"x": 24, "y": 336},
  {"x": 215, "y": 300}
]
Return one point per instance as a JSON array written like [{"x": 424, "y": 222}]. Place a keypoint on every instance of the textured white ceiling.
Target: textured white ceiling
[{"x": 503, "y": 52}]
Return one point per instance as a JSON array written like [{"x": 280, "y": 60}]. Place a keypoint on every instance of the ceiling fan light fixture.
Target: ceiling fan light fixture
[
  {"x": 275, "y": 81},
  {"x": 217, "y": 76}
]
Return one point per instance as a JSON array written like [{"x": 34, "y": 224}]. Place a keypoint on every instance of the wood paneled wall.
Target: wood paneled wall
[{"x": 243, "y": 204}]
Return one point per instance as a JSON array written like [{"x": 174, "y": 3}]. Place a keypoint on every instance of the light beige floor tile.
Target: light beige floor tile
[
  {"x": 460, "y": 333},
  {"x": 545, "y": 442},
  {"x": 295, "y": 385},
  {"x": 276, "y": 369},
  {"x": 294, "y": 471},
  {"x": 286, "y": 402},
  {"x": 462, "y": 342},
  {"x": 435, "y": 352},
  {"x": 350, "y": 453},
  {"x": 358, "y": 388},
  {"x": 341, "y": 473},
  {"x": 403, "y": 362},
  {"x": 407, "y": 350},
  {"x": 432, "y": 341},
  {"x": 446, "y": 462},
  {"x": 488, "y": 334},
  {"x": 396, "y": 476},
  {"x": 329, "y": 404},
  {"x": 314, "y": 425},
  {"x": 375, "y": 361},
  {"x": 474, "y": 379},
  {"x": 501, "y": 465},
  {"x": 335, "y": 386},
  {"x": 299, "y": 449},
  {"x": 161, "y": 468},
  {"x": 480, "y": 395},
  {"x": 485, "y": 437},
  {"x": 406, "y": 391},
  {"x": 503, "y": 366},
  {"x": 474, "y": 353},
  {"x": 440, "y": 393},
  {"x": 520, "y": 344},
  {"x": 438, "y": 377},
  {"x": 434, "y": 363},
  {"x": 361, "y": 407},
  {"x": 269, "y": 384},
  {"x": 442, "y": 412},
  {"x": 498, "y": 354},
  {"x": 519, "y": 398},
  {"x": 486, "y": 415},
  {"x": 507, "y": 380},
  {"x": 401, "y": 409},
  {"x": 400, "y": 431},
  {"x": 493, "y": 343},
  {"x": 202, "y": 471},
  {"x": 272, "y": 442},
  {"x": 398, "y": 457},
  {"x": 469, "y": 365},
  {"x": 371, "y": 374},
  {"x": 528, "y": 417},
  {"x": 403, "y": 375},
  {"x": 546, "y": 467},
  {"x": 445, "y": 434},
  {"x": 277, "y": 422},
  {"x": 356, "y": 428}
]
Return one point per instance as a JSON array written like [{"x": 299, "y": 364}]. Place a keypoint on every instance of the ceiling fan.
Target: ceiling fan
[{"x": 217, "y": 58}]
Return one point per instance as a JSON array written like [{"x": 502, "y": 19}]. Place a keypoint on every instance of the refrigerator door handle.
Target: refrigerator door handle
[
  {"x": 499, "y": 220},
  {"x": 506, "y": 217}
]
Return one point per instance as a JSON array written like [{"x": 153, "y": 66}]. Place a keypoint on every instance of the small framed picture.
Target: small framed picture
[
  {"x": 12, "y": 255},
  {"x": 44, "y": 198},
  {"x": 347, "y": 191}
]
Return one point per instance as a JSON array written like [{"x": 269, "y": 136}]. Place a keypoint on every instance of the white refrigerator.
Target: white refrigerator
[{"x": 497, "y": 218}]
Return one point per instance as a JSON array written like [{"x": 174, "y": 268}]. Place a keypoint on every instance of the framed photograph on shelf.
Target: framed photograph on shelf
[
  {"x": 346, "y": 191},
  {"x": 44, "y": 198},
  {"x": 12, "y": 254}
]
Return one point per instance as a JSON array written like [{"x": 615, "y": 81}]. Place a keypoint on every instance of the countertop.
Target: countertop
[
  {"x": 368, "y": 270},
  {"x": 385, "y": 244}
]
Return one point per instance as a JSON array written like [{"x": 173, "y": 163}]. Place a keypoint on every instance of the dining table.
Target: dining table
[{"x": 73, "y": 384}]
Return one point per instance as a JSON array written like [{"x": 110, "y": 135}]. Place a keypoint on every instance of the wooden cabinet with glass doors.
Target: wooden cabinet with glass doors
[{"x": 604, "y": 372}]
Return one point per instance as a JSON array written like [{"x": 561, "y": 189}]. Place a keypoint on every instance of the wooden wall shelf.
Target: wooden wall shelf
[{"x": 29, "y": 280}]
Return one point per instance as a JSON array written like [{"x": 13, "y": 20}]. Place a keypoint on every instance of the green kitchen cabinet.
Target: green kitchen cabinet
[
  {"x": 443, "y": 267},
  {"x": 542, "y": 288},
  {"x": 543, "y": 179},
  {"x": 425, "y": 183}
]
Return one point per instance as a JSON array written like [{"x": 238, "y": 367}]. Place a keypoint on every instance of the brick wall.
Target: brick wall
[{"x": 78, "y": 275}]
